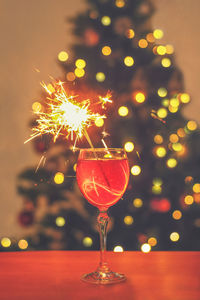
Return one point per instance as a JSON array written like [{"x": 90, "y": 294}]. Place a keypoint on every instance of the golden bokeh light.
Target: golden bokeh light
[
  {"x": 63, "y": 56},
  {"x": 157, "y": 181},
  {"x": 192, "y": 125},
  {"x": 185, "y": 98},
  {"x": 173, "y": 109},
  {"x": 158, "y": 139},
  {"x": 118, "y": 249},
  {"x": 87, "y": 241},
  {"x": 152, "y": 241},
  {"x": 129, "y": 146},
  {"x": 162, "y": 113},
  {"x": 177, "y": 147},
  {"x": 106, "y": 21},
  {"x": 166, "y": 62},
  {"x": 156, "y": 189},
  {"x": 79, "y": 72},
  {"x": 99, "y": 122},
  {"x": 161, "y": 50},
  {"x": 129, "y": 61},
  {"x": 158, "y": 34},
  {"x": 80, "y": 63},
  {"x": 123, "y": 111},
  {"x": 165, "y": 102},
  {"x": 169, "y": 49},
  {"x": 120, "y": 3},
  {"x": 140, "y": 97},
  {"x": 5, "y": 242},
  {"x": 106, "y": 50},
  {"x": 174, "y": 236},
  {"x": 181, "y": 132},
  {"x": 162, "y": 92},
  {"x": 128, "y": 220},
  {"x": 196, "y": 188},
  {"x": 173, "y": 138},
  {"x": 137, "y": 202},
  {"x": 100, "y": 76},
  {"x": 59, "y": 178},
  {"x": 130, "y": 33},
  {"x": 161, "y": 152},
  {"x": 70, "y": 76},
  {"x": 135, "y": 170},
  {"x": 174, "y": 102},
  {"x": 150, "y": 37},
  {"x": 36, "y": 106},
  {"x": 23, "y": 244},
  {"x": 177, "y": 214},
  {"x": 189, "y": 200},
  {"x": 145, "y": 248},
  {"x": 171, "y": 163},
  {"x": 60, "y": 221},
  {"x": 143, "y": 43}
]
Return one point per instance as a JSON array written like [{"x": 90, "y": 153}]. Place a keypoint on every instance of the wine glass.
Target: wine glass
[{"x": 102, "y": 175}]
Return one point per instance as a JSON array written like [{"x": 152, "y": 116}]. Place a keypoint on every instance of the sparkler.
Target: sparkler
[{"x": 66, "y": 114}]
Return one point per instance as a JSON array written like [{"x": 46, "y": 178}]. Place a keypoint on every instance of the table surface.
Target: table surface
[{"x": 56, "y": 275}]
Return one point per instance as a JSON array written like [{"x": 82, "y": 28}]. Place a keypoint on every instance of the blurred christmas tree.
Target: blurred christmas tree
[{"x": 116, "y": 49}]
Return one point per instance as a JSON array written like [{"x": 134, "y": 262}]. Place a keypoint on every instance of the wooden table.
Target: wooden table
[{"x": 55, "y": 275}]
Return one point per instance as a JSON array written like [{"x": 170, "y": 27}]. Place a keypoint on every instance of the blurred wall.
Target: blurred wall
[{"x": 32, "y": 34}]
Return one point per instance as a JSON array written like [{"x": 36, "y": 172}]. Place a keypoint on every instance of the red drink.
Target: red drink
[{"x": 102, "y": 181}]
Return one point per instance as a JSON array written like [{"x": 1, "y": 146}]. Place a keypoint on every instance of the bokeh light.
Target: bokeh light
[
  {"x": 156, "y": 189},
  {"x": 162, "y": 113},
  {"x": 70, "y": 76},
  {"x": 128, "y": 220},
  {"x": 63, "y": 56},
  {"x": 135, "y": 170},
  {"x": 146, "y": 248},
  {"x": 161, "y": 152},
  {"x": 157, "y": 181},
  {"x": 87, "y": 241},
  {"x": 177, "y": 147},
  {"x": 129, "y": 61},
  {"x": 171, "y": 163},
  {"x": 152, "y": 241},
  {"x": 60, "y": 221},
  {"x": 173, "y": 138},
  {"x": 80, "y": 63},
  {"x": 137, "y": 202},
  {"x": 79, "y": 72},
  {"x": 161, "y": 50},
  {"x": 196, "y": 188},
  {"x": 5, "y": 242},
  {"x": 189, "y": 200},
  {"x": 177, "y": 214},
  {"x": 166, "y": 62},
  {"x": 130, "y": 33},
  {"x": 181, "y": 132},
  {"x": 100, "y": 76},
  {"x": 140, "y": 97},
  {"x": 143, "y": 43},
  {"x": 158, "y": 139},
  {"x": 185, "y": 98},
  {"x": 169, "y": 49},
  {"x": 158, "y": 34},
  {"x": 120, "y": 3},
  {"x": 99, "y": 122},
  {"x": 129, "y": 146},
  {"x": 106, "y": 21},
  {"x": 174, "y": 236},
  {"x": 162, "y": 92},
  {"x": 36, "y": 106},
  {"x": 23, "y": 244},
  {"x": 123, "y": 111},
  {"x": 59, "y": 178},
  {"x": 106, "y": 50},
  {"x": 192, "y": 125},
  {"x": 150, "y": 37},
  {"x": 118, "y": 249}
]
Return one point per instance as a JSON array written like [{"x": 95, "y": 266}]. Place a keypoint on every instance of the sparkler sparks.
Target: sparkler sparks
[{"x": 66, "y": 114}]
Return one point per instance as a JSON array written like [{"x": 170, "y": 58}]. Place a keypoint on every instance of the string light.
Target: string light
[
  {"x": 87, "y": 241},
  {"x": 166, "y": 62},
  {"x": 162, "y": 113},
  {"x": 99, "y": 122},
  {"x": 158, "y": 139},
  {"x": 196, "y": 188},
  {"x": 106, "y": 21},
  {"x": 177, "y": 214},
  {"x": 161, "y": 152},
  {"x": 5, "y": 242},
  {"x": 161, "y": 50},
  {"x": 23, "y": 244},
  {"x": 80, "y": 63},
  {"x": 106, "y": 50},
  {"x": 152, "y": 241},
  {"x": 171, "y": 163},
  {"x": 129, "y": 61},
  {"x": 36, "y": 106},
  {"x": 192, "y": 125},
  {"x": 128, "y": 220},
  {"x": 137, "y": 202},
  {"x": 143, "y": 43},
  {"x": 59, "y": 178},
  {"x": 174, "y": 236},
  {"x": 146, "y": 248},
  {"x": 118, "y": 249},
  {"x": 70, "y": 76},
  {"x": 100, "y": 76},
  {"x": 79, "y": 72},
  {"x": 158, "y": 34},
  {"x": 129, "y": 146},
  {"x": 185, "y": 98},
  {"x": 120, "y": 3},
  {"x": 135, "y": 170},
  {"x": 63, "y": 56},
  {"x": 189, "y": 200},
  {"x": 60, "y": 221},
  {"x": 123, "y": 111},
  {"x": 162, "y": 92},
  {"x": 130, "y": 33}
]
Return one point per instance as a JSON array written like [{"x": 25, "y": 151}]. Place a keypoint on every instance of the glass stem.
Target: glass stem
[{"x": 103, "y": 219}]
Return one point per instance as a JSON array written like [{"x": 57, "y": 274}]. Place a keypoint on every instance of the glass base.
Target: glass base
[{"x": 103, "y": 277}]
